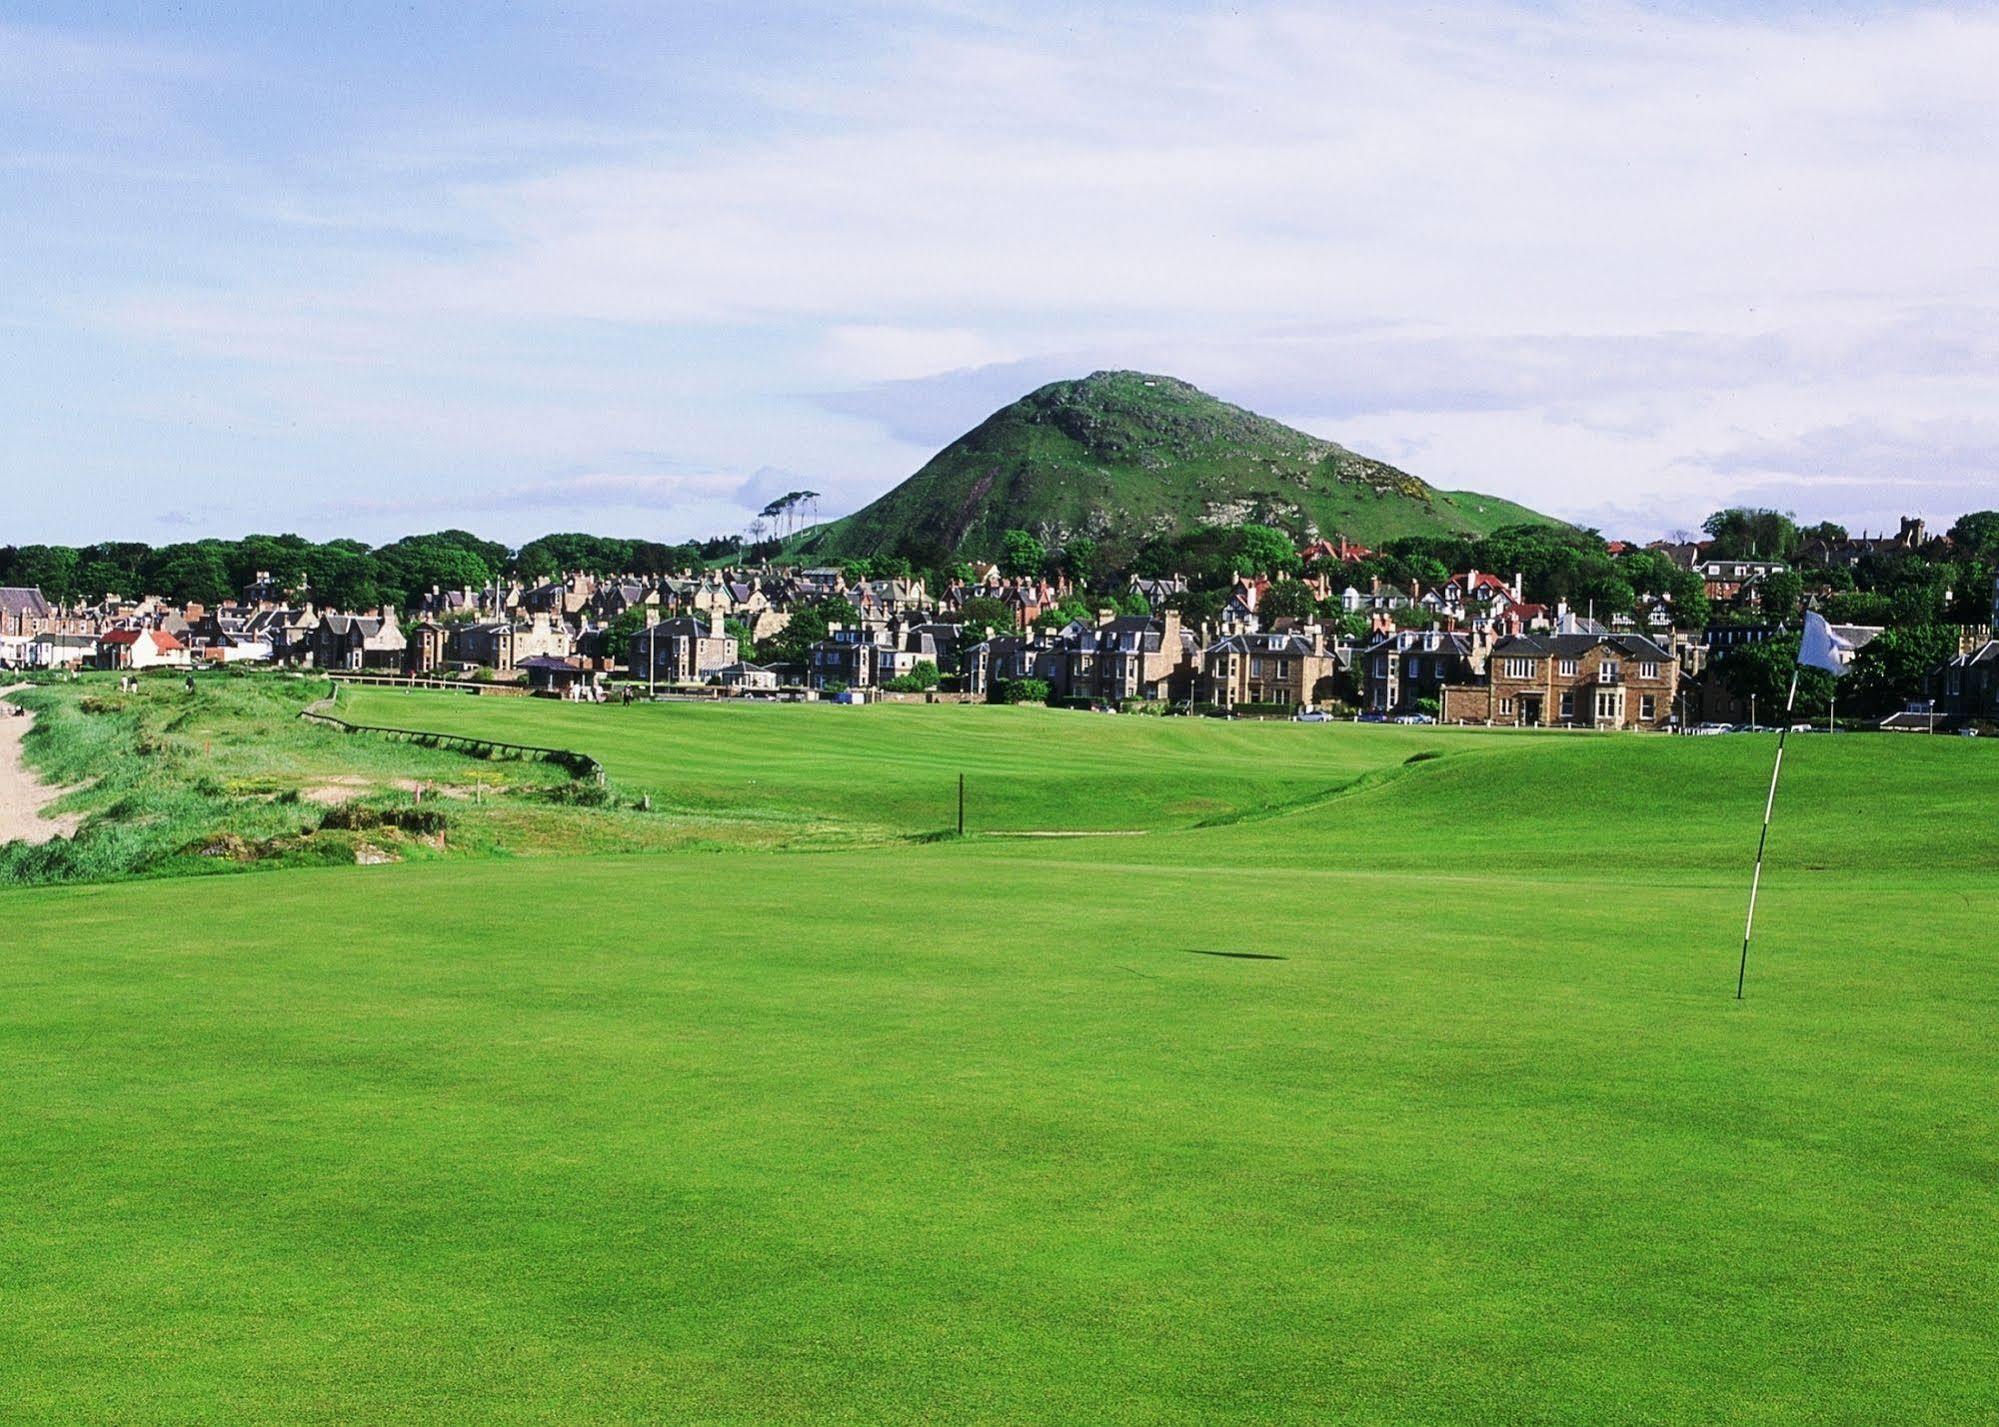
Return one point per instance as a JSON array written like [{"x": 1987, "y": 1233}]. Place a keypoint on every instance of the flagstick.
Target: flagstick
[{"x": 1769, "y": 805}]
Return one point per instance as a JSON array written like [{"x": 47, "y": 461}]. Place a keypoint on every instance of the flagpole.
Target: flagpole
[{"x": 1769, "y": 805}]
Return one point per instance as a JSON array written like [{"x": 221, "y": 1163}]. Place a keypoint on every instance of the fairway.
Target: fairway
[{"x": 1389, "y": 1075}]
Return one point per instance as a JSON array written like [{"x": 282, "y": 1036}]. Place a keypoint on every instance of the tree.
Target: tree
[
  {"x": 1890, "y": 669},
  {"x": 1021, "y": 555},
  {"x": 1267, "y": 550},
  {"x": 190, "y": 572},
  {"x": 1977, "y": 533},
  {"x": 1691, "y": 607},
  {"x": 807, "y": 626},
  {"x": 1743, "y": 532},
  {"x": 923, "y": 675},
  {"x": 1762, "y": 671},
  {"x": 1781, "y": 594},
  {"x": 620, "y": 632},
  {"x": 1079, "y": 558},
  {"x": 1287, "y": 599},
  {"x": 982, "y": 617}
]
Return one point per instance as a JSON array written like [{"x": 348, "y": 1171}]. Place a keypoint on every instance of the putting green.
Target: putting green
[{"x": 1464, "y": 1126}]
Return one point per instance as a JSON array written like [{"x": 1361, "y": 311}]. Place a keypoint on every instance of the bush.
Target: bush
[
  {"x": 353, "y": 817},
  {"x": 584, "y": 793},
  {"x": 1023, "y": 691},
  {"x": 918, "y": 680}
]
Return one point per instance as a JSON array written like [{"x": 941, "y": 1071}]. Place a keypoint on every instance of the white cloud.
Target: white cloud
[{"x": 1565, "y": 255}]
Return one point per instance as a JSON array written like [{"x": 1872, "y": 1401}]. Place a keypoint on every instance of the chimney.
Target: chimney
[
  {"x": 1105, "y": 616},
  {"x": 715, "y": 622}
]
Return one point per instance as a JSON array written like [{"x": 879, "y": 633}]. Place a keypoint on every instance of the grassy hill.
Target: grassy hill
[
  {"x": 1351, "y": 1088},
  {"x": 1120, "y": 456}
]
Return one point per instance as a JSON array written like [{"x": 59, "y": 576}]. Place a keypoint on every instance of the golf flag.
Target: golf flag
[{"x": 1822, "y": 648}]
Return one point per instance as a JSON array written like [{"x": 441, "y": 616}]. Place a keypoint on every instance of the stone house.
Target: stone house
[
  {"x": 1294, "y": 668},
  {"x": 23, "y": 611},
  {"x": 1606, "y": 681},
  {"x": 1124, "y": 657},
  {"x": 682, "y": 650},
  {"x": 359, "y": 641},
  {"x": 1967, "y": 687},
  {"x": 1403, "y": 667},
  {"x": 986, "y": 665}
]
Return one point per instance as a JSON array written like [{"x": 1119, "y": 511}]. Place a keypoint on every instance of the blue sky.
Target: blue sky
[{"x": 635, "y": 268}]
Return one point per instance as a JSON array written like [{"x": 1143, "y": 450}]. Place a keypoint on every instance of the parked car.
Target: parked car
[
  {"x": 1372, "y": 718},
  {"x": 1312, "y": 716},
  {"x": 1415, "y": 718}
]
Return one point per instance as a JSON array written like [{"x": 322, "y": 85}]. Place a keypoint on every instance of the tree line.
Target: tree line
[{"x": 344, "y": 574}]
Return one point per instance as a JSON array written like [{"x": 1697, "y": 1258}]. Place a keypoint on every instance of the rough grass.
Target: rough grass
[
  {"x": 972, "y": 1131},
  {"x": 171, "y": 782}
]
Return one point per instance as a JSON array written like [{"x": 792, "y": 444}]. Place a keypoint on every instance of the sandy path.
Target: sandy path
[{"x": 22, "y": 794}]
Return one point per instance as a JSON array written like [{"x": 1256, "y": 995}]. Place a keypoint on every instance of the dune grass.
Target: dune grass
[{"x": 1461, "y": 1125}]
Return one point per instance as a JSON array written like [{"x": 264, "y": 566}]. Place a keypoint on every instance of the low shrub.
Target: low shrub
[
  {"x": 1022, "y": 691},
  {"x": 357, "y": 817}
]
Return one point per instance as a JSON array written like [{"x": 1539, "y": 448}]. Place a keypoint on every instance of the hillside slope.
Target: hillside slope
[{"x": 1123, "y": 456}]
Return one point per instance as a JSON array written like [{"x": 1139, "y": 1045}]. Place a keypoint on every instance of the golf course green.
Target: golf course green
[{"x": 1318, "y": 1074}]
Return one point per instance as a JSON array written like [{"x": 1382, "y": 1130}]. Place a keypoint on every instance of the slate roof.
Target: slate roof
[
  {"x": 23, "y": 600},
  {"x": 1570, "y": 646}
]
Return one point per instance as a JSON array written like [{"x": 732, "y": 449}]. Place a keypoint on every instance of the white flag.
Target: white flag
[{"x": 1822, "y": 648}]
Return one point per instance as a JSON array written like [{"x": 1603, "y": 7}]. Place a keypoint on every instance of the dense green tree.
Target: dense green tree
[
  {"x": 189, "y": 572},
  {"x": 1780, "y": 595},
  {"x": 1287, "y": 599},
  {"x": 1265, "y": 550},
  {"x": 1889, "y": 671},
  {"x": 807, "y": 626},
  {"x": 620, "y": 632},
  {"x": 1746, "y": 532},
  {"x": 1079, "y": 558},
  {"x": 1021, "y": 555},
  {"x": 982, "y": 617},
  {"x": 1763, "y": 671},
  {"x": 1977, "y": 532}
]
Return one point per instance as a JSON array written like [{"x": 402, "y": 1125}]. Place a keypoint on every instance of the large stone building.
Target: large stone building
[
  {"x": 682, "y": 650},
  {"x": 1405, "y": 668},
  {"x": 359, "y": 641},
  {"x": 1293, "y": 668},
  {"x": 1570, "y": 681}
]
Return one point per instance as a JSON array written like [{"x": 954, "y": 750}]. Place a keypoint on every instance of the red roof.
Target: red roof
[{"x": 162, "y": 641}]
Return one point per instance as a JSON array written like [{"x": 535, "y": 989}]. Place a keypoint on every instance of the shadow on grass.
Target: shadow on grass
[{"x": 1238, "y": 955}]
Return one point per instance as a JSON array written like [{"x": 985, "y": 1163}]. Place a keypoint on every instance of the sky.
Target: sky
[{"x": 635, "y": 268}]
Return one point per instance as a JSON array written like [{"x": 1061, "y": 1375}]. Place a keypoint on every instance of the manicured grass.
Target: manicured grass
[
  {"x": 977, "y": 1131},
  {"x": 895, "y": 767}
]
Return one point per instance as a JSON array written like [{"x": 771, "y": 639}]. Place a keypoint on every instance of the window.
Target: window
[
  {"x": 1568, "y": 707},
  {"x": 1648, "y": 670},
  {"x": 1606, "y": 706},
  {"x": 1608, "y": 671},
  {"x": 1519, "y": 668},
  {"x": 1647, "y": 708},
  {"x": 1506, "y": 706},
  {"x": 1569, "y": 667},
  {"x": 1414, "y": 670}
]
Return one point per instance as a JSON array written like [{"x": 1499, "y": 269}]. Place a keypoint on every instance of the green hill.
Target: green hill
[{"x": 1123, "y": 456}]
